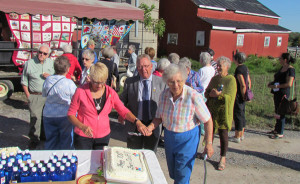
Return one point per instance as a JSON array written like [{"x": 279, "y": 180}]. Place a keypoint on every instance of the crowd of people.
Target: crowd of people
[{"x": 70, "y": 100}]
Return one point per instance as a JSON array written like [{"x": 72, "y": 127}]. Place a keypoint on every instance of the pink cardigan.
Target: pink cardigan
[{"x": 83, "y": 104}]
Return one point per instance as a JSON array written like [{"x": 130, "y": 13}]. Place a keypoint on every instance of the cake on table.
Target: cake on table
[{"x": 125, "y": 165}]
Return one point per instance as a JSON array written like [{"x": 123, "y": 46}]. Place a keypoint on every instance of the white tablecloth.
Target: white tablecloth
[{"x": 89, "y": 161}]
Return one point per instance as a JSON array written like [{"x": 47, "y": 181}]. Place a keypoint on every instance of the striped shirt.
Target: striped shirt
[
  {"x": 187, "y": 112},
  {"x": 194, "y": 80}
]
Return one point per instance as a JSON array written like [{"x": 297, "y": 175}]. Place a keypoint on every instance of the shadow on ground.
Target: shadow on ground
[{"x": 13, "y": 132}]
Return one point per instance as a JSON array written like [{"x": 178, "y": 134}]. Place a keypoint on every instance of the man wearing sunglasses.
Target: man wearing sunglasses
[{"x": 35, "y": 71}]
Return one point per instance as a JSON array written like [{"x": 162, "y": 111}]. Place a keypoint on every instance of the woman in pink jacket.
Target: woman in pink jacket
[{"x": 92, "y": 102}]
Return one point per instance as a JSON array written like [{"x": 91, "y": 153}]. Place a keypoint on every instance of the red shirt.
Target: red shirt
[
  {"x": 75, "y": 66},
  {"x": 157, "y": 73},
  {"x": 83, "y": 105}
]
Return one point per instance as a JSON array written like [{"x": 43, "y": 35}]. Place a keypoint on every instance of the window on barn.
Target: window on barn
[
  {"x": 267, "y": 41},
  {"x": 173, "y": 38},
  {"x": 240, "y": 40},
  {"x": 200, "y": 38},
  {"x": 279, "y": 41}
]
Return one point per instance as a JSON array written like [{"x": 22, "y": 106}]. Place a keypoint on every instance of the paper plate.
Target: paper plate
[{"x": 91, "y": 179}]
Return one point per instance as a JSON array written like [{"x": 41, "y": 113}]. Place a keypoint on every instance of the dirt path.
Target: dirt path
[{"x": 257, "y": 159}]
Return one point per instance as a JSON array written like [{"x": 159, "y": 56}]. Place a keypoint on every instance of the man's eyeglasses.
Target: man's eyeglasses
[
  {"x": 145, "y": 66},
  {"x": 44, "y": 53},
  {"x": 85, "y": 59}
]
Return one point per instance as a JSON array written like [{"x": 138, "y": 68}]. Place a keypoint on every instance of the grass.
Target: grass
[{"x": 260, "y": 111}]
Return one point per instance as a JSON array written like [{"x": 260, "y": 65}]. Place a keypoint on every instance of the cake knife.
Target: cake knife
[{"x": 135, "y": 134}]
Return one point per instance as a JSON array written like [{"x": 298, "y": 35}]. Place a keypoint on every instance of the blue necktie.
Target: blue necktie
[{"x": 146, "y": 102}]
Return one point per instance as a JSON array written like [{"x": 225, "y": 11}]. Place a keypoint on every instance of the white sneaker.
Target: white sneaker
[
  {"x": 236, "y": 140},
  {"x": 242, "y": 138}
]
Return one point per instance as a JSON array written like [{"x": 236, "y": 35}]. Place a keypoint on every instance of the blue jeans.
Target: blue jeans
[
  {"x": 181, "y": 150},
  {"x": 59, "y": 133}
]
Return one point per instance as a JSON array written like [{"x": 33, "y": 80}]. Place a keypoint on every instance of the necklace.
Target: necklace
[{"x": 98, "y": 104}]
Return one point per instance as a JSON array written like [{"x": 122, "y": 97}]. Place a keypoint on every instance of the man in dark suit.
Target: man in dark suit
[{"x": 140, "y": 95}]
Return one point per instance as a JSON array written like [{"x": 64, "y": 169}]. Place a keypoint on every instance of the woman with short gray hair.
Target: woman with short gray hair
[
  {"x": 162, "y": 64},
  {"x": 181, "y": 109},
  {"x": 207, "y": 72},
  {"x": 59, "y": 91},
  {"x": 193, "y": 79},
  {"x": 88, "y": 58},
  {"x": 220, "y": 95}
]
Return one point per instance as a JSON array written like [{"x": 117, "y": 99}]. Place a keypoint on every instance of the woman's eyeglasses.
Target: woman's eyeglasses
[
  {"x": 44, "y": 53},
  {"x": 98, "y": 83},
  {"x": 85, "y": 59}
]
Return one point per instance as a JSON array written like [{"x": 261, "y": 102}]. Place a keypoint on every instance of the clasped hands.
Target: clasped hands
[{"x": 146, "y": 131}]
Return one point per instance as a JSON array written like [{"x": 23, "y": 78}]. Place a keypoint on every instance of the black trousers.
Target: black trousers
[
  {"x": 85, "y": 143},
  {"x": 144, "y": 142},
  {"x": 239, "y": 114}
]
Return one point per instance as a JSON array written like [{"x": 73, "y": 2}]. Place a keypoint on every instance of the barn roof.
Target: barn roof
[
  {"x": 253, "y": 7},
  {"x": 239, "y": 26}
]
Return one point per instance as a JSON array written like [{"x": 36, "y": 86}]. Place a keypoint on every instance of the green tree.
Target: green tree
[
  {"x": 294, "y": 39},
  {"x": 158, "y": 26}
]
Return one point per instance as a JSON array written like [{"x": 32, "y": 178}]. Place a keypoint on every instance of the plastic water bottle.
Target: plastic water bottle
[
  {"x": 55, "y": 155},
  {"x": 54, "y": 161},
  {"x": 27, "y": 155},
  {"x": 57, "y": 168},
  {"x": 8, "y": 172},
  {"x": 34, "y": 175},
  {"x": 22, "y": 165},
  {"x": 49, "y": 165},
  {"x": 13, "y": 161},
  {"x": 3, "y": 157},
  {"x": 11, "y": 157},
  {"x": 18, "y": 162},
  {"x": 19, "y": 155},
  {"x": 44, "y": 175},
  {"x": 74, "y": 168},
  {"x": 53, "y": 175},
  {"x": 64, "y": 161},
  {"x": 69, "y": 171},
  {"x": 40, "y": 165},
  {"x": 15, "y": 178},
  {"x": 62, "y": 176},
  {"x": 2, "y": 174},
  {"x": 46, "y": 162},
  {"x": 69, "y": 158},
  {"x": 74, "y": 156},
  {"x": 220, "y": 87},
  {"x": 65, "y": 155},
  {"x": 25, "y": 175},
  {"x": 28, "y": 161}
]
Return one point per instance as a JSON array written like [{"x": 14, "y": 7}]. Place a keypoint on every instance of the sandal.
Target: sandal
[
  {"x": 221, "y": 166},
  {"x": 276, "y": 136}
]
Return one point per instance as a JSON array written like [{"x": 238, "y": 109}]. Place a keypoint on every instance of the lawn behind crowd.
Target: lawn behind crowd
[{"x": 260, "y": 111}]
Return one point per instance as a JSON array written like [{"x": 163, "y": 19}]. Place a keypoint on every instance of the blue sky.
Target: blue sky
[{"x": 288, "y": 10}]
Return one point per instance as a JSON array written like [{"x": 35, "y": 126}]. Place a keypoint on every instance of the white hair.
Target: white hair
[
  {"x": 89, "y": 53},
  {"x": 162, "y": 64},
  {"x": 131, "y": 47},
  {"x": 172, "y": 70},
  {"x": 205, "y": 58},
  {"x": 47, "y": 46},
  {"x": 185, "y": 62},
  {"x": 174, "y": 58},
  {"x": 67, "y": 48},
  {"x": 224, "y": 60}
]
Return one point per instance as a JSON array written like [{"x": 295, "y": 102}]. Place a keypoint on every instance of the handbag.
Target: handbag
[
  {"x": 249, "y": 94},
  {"x": 288, "y": 107},
  {"x": 54, "y": 85}
]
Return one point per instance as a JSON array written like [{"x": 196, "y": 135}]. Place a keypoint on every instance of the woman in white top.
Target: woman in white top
[
  {"x": 88, "y": 58},
  {"x": 207, "y": 71}
]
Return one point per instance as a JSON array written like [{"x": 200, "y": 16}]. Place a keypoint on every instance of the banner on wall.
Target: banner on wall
[
  {"x": 44, "y": 29},
  {"x": 104, "y": 32}
]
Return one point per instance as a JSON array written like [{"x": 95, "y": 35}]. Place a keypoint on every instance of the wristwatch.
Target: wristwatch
[{"x": 136, "y": 119}]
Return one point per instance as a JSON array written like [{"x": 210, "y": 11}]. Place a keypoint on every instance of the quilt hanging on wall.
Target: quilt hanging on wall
[
  {"x": 104, "y": 32},
  {"x": 45, "y": 29}
]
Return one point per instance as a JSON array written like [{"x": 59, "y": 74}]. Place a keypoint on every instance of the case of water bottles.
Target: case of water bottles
[{"x": 19, "y": 168}]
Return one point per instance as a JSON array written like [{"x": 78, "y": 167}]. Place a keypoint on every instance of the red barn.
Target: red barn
[{"x": 225, "y": 26}]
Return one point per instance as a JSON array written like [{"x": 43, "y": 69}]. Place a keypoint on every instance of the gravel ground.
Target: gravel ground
[{"x": 257, "y": 159}]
